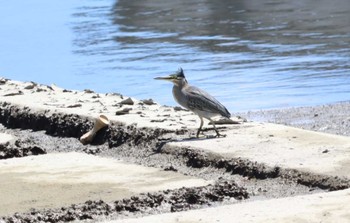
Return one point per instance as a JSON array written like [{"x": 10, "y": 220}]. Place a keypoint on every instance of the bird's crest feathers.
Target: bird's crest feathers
[{"x": 180, "y": 73}]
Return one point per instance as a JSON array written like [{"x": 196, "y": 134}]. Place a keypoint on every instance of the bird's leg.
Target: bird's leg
[
  {"x": 200, "y": 127},
  {"x": 217, "y": 132}
]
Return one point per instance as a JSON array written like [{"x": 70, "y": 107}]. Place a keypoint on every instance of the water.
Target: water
[{"x": 249, "y": 54}]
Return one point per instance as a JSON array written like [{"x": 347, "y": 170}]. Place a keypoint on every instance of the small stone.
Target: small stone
[
  {"x": 114, "y": 94},
  {"x": 3, "y": 81},
  {"x": 88, "y": 91},
  {"x": 14, "y": 93},
  {"x": 49, "y": 87},
  {"x": 158, "y": 120},
  {"x": 30, "y": 86},
  {"x": 148, "y": 101},
  {"x": 40, "y": 89},
  {"x": 74, "y": 106},
  {"x": 127, "y": 101},
  {"x": 170, "y": 168},
  {"x": 123, "y": 111}
]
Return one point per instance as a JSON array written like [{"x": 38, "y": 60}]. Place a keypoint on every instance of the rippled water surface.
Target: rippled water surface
[{"x": 249, "y": 54}]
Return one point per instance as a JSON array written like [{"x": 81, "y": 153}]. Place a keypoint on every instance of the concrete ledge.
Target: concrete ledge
[
  {"x": 278, "y": 145},
  {"x": 325, "y": 207},
  {"x": 56, "y": 180}
]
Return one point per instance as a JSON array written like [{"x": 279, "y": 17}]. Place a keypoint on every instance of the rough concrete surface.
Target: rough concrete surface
[
  {"x": 148, "y": 163},
  {"x": 55, "y": 180},
  {"x": 281, "y": 146},
  {"x": 326, "y": 208}
]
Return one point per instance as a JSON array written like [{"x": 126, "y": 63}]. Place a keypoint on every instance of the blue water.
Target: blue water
[{"x": 249, "y": 54}]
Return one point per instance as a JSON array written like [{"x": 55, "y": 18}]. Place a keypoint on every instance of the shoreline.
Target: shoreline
[
  {"x": 329, "y": 118},
  {"x": 256, "y": 161}
]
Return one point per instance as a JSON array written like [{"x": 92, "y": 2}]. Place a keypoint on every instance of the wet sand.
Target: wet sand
[{"x": 330, "y": 118}]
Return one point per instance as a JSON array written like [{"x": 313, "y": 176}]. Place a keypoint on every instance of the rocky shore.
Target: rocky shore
[{"x": 40, "y": 127}]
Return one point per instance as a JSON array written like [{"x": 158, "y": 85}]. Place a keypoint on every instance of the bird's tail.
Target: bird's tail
[{"x": 226, "y": 113}]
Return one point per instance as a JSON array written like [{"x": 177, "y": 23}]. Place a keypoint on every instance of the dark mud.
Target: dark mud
[
  {"x": 234, "y": 178},
  {"x": 20, "y": 148}
]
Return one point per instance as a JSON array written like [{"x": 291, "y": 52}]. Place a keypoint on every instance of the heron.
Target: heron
[{"x": 196, "y": 100}]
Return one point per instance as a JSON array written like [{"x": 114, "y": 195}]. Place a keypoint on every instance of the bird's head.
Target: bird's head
[{"x": 178, "y": 78}]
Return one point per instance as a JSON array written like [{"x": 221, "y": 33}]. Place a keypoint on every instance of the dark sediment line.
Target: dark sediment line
[
  {"x": 165, "y": 201},
  {"x": 244, "y": 167},
  {"x": 71, "y": 125},
  {"x": 20, "y": 149}
]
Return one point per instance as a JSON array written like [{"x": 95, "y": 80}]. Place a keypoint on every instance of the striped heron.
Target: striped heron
[{"x": 198, "y": 101}]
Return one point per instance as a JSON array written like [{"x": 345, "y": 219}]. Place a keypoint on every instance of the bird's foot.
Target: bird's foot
[
  {"x": 218, "y": 135},
  {"x": 198, "y": 132},
  {"x": 201, "y": 136}
]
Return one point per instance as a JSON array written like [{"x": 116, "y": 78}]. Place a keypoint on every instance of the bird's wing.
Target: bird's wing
[{"x": 201, "y": 100}]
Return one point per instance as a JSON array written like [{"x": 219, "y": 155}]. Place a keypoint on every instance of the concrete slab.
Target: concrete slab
[
  {"x": 54, "y": 99},
  {"x": 56, "y": 180},
  {"x": 4, "y": 138},
  {"x": 326, "y": 207},
  {"x": 282, "y": 146},
  {"x": 262, "y": 142}
]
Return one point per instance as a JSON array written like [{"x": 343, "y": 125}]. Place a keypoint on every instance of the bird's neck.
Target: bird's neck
[
  {"x": 181, "y": 84},
  {"x": 179, "y": 96}
]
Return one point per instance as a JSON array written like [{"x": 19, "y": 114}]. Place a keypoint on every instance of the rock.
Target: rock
[
  {"x": 40, "y": 89},
  {"x": 3, "y": 81},
  {"x": 123, "y": 111},
  {"x": 88, "y": 91},
  {"x": 170, "y": 168},
  {"x": 74, "y": 106},
  {"x": 148, "y": 102},
  {"x": 160, "y": 120},
  {"x": 127, "y": 101},
  {"x": 13, "y": 93},
  {"x": 114, "y": 94},
  {"x": 31, "y": 86}
]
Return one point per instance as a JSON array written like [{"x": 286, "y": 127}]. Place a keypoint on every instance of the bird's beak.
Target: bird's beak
[{"x": 167, "y": 78}]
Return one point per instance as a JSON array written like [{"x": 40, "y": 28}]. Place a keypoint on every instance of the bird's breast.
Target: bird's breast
[{"x": 179, "y": 96}]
